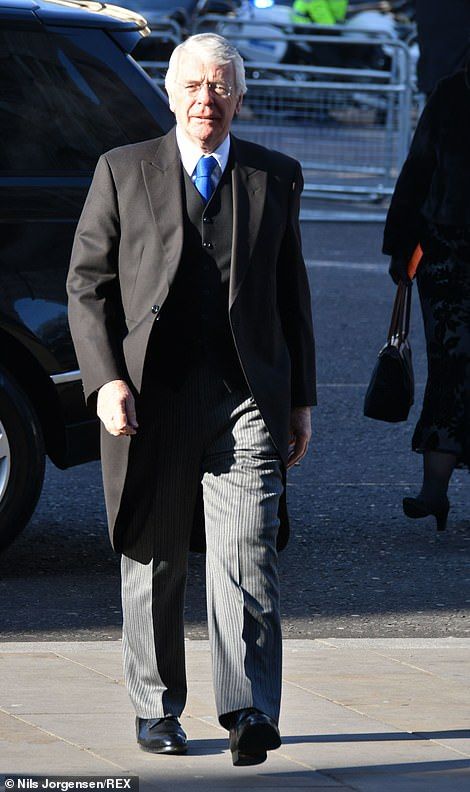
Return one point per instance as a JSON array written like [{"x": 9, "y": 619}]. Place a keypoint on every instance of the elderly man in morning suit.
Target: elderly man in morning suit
[{"x": 190, "y": 313}]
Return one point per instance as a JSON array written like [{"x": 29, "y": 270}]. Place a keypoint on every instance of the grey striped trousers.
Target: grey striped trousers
[{"x": 204, "y": 432}]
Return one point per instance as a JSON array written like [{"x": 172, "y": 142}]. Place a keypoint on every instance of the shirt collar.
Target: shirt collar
[{"x": 190, "y": 154}]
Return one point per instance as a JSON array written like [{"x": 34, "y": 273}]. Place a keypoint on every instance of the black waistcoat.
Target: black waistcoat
[{"x": 193, "y": 326}]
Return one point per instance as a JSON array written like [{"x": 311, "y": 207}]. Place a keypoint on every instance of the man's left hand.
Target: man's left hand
[{"x": 300, "y": 434}]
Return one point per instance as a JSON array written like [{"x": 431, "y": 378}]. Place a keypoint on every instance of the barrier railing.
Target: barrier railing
[{"x": 156, "y": 48}]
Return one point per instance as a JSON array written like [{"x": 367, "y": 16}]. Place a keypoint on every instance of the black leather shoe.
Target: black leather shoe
[
  {"x": 252, "y": 733},
  {"x": 161, "y": 735},
  {"x": 418, "y": 507}
]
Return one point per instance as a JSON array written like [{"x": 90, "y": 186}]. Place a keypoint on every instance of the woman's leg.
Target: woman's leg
[{"x": 437, "y": 470}]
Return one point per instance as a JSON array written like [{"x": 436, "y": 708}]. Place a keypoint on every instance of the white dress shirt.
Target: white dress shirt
[{"x": 191, "y": 154}]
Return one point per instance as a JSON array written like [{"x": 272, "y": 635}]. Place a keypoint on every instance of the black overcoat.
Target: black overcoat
[
  {"x": 125, "y": 256},
  {"x": 443, "y": 37},
  {"x": 433, "y": 186}
]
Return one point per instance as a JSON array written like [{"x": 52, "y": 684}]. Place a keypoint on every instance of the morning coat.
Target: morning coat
[{"x": 126, "y": 253}]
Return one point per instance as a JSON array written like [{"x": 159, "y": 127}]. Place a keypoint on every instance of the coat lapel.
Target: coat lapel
[
  {"x": 249, "y": 196},
  {"x": 162, "y": 178}
]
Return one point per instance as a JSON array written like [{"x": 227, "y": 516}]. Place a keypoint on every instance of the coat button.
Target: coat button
[
  {"x": 155, "y": 309},
  {"x": 207, "y": 245}
]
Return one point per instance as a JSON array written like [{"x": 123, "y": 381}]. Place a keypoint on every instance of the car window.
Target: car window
[{"x": 60, "y": 106}]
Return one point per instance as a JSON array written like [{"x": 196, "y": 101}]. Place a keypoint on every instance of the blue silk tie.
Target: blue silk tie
[{"x": 203, "y": 181}]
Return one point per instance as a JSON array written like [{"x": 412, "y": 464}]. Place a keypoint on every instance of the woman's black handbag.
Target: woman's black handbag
[{"x": 391, "y": 389}]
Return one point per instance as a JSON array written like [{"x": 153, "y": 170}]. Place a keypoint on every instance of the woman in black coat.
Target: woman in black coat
[{"x": 431, "y": 206}]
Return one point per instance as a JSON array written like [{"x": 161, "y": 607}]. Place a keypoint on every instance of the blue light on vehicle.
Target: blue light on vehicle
[{"x": 263, "y": 3}]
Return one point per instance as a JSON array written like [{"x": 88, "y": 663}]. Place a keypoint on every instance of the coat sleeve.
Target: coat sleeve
[
  {"x": 294, "y": 304},
  {"x": 405, "y": 224},
  {"x": 95, "y": 310}
]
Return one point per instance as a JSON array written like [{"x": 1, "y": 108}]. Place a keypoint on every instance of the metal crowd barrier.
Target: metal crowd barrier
[
  {"x": 165, "y": 35},
  {"x": 349, "y": 127},
  {"x": 166, "y": 28}
]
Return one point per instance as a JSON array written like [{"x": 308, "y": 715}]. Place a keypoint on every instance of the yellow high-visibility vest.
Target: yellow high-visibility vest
[{"x": 319, "y": 12}]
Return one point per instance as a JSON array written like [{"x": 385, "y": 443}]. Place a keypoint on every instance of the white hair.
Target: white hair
[{"x": 212, "y": 48}]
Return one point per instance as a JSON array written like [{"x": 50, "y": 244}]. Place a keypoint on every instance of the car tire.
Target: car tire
[{"x": 22, "y": 459}]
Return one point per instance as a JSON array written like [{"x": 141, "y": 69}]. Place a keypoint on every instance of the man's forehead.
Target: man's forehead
[{"x": 193, "y": 66}]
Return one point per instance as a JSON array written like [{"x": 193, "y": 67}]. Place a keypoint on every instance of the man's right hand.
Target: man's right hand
[
  {"x": 116, "y": 408},
  {"x": 398, "y": 270}
]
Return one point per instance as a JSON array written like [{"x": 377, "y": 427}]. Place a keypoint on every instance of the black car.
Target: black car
[{"x": 69, "y": 90}]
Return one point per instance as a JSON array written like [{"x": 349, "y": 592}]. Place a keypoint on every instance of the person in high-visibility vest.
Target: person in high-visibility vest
[{"x": 319, "y": 12}]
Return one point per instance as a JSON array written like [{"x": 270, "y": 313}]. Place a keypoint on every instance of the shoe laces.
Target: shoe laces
[{"x": 157, "y": 721}]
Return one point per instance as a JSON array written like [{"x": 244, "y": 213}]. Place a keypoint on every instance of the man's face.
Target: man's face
[{"x": 202, "y": 115}]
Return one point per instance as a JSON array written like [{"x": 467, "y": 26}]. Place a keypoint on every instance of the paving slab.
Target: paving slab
[{"x": 369, "y": 716}]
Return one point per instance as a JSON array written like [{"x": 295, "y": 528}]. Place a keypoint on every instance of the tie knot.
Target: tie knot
[{"x": 205, "y": 166}]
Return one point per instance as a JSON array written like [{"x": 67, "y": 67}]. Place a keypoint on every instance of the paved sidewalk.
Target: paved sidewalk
[{"x": 370, "y": 715}]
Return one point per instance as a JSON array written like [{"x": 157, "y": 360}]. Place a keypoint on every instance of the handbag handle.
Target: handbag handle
[{"x": 400, "y": 321}]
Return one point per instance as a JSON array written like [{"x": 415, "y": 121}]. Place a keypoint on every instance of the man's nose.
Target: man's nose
[{"x": 205, "y": 94}]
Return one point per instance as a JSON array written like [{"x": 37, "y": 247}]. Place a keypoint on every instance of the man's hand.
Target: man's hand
[
  {"x": 300, "y": 434},
  {"x": 116, "y": 408}
]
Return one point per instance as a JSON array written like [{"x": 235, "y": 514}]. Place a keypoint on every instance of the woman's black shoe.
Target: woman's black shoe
[
  {"x": 418, "y": 507},
  {"x": 252, "y": 733},
  {"x": 161, "y": 735}
]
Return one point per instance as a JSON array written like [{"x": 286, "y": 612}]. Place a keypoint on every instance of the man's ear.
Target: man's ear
[
  {"x": 171, "y": 101},
  {"x": 239, "y": 104}
]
